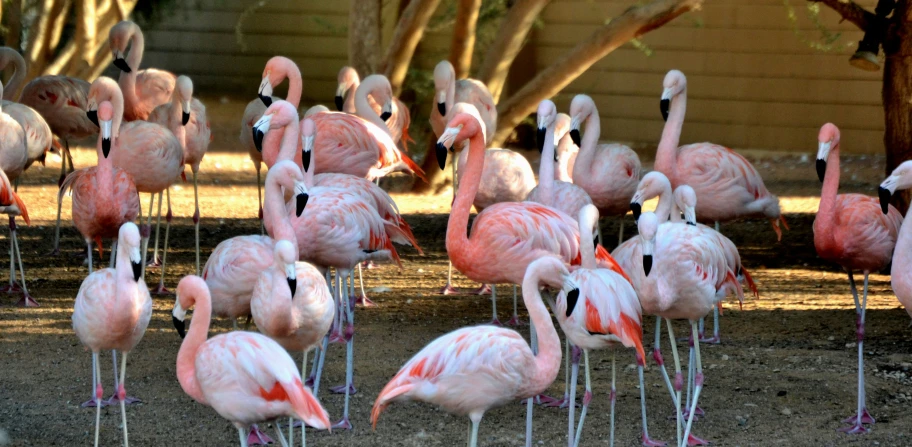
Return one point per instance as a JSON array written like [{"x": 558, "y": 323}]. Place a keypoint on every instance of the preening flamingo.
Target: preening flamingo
[
  {"x": 13, "y": 157},
  {"x": 470, "y": 370},
  {"x": 143, "y": 90},
  {"x": 112, "y": 311},
  {"x": 104, "y": 196},
  {"x": 899, "y": 179},
  {"x": 244, "y": 376},
  {"x": 604, "y": 314},
  {"x": 851, "y": 230},
  {"x": 399, "y": 119},
  {"x": 607, "y": 172},
  {"x": 38, "y": 136},
  {"x": 727, "y": 185}
]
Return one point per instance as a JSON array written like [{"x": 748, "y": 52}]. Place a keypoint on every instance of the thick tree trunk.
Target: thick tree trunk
[
  {"x": 633, "y": 23},
  {"x": 896, "y": 93},
  {"x": 464, "y": 37},
  {"x": 514, "y": 29},
  {"x": 408, "y": 33},
  {"x": 12, "y": 15},
  {"x": 364, "y": 36}
]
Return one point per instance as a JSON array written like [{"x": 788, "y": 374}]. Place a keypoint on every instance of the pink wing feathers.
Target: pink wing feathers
[
  {"x": 62, "y": 101},
  {"x": 232, "y": 270}
]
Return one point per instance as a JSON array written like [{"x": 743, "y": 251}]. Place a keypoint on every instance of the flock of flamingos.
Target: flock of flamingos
[{"x": 322, "y": 212}]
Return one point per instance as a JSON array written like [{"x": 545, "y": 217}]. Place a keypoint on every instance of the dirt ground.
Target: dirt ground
[{"x": 783, "y": 375}]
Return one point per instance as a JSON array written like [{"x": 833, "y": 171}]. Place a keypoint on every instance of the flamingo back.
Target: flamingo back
[
  {"x": 507, "y": 177},
  {"x": 99, "y": 217},
  {"x": 861, "y": 236},
  {"x": 38, "y": 136},
  {"x": 611, "y": 179},
  {"x": 62, "y": 101},
  {"x": 232, "y": 271},
  {"x": 108, "y": 315},
  {"x": 150, "y": 153},
  {"x": 153, "y": 88}
]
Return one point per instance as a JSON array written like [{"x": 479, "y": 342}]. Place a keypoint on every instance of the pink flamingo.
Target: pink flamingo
[
  {"x": 566, "y": 149},
  {"x": 143, "y": 90},
  {"x": 244, "y": 376},
  {"x": 38, "y": 136},
  {"x": 104, "y": 197},
  {"x": 607, "y": 172},
  {"x": 187, "y": 119},
  {"x": 727, "y": 185},
  {"x": 851, "y": 231},
  {"x": 902, "y": 284},
  {"x": 397, "y": 123},
  {"x": 688, "y": 268},
  {"x": 150, "y": 153},
  {"x": 112, "y": 311},
  {"x": 609, "y": 314},
  {"x": 450, "y": 91},
  {"x": 473, "y": 369},
  {"x": 13, "y": 157}
]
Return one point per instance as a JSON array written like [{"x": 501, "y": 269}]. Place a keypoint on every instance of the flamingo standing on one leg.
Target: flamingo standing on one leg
[
  {"x": 473, "y": 369},
  {"x": 399, "y": 119},
  {"x": 143, "y": 90},
  {"x": 244, "y": 376},
  {"x": 13, "y": 158},
  {"x": 112, "y": 311},
  {"x": 104, "y": 196},
  {"x": 727, "y": 185},
  {"x": 607, "y": 172},
  {"x": 851, "y": 231},
  {"x": 899, "y": 179}
]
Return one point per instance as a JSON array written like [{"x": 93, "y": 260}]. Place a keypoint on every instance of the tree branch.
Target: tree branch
[
  {"x": 850, "y": 11},
  {"x": 408, "y": 33},
  {"x": 364, "y": 36},
  {"x": 464, "y": 37},
  {"x": 633, "y": 23}
]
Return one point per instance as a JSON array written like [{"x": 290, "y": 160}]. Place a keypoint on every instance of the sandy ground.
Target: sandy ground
[{"x": 784, "y": 374}]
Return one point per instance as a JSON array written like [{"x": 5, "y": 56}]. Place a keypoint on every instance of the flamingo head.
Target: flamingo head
[
  {"x": 289, "y": 176},
  {"x": 462, "y": 127},
  {"x": 129, "y": 241},
  {"x": 308, "y": 129},
  {"x": 652, "y": 185},
  {"x": 580, "y": 108},
  {"x": 827, "y": 139},
  {"x": 900, "y": 178},
  {"x": 686, "y": 201},
  {"x": 286, "y": 254},
  {"x": 106, "y": 114},
  {"x": 274, "y": 73},
  {"x": 547, "y": 114},
  {"x": 648, "y": 226},
  {"x": 187, "y": 290},
  {"x": 118, "y": 39},
  {"x": 588, "y": 222},
  {"x": 278, "y": 115},
  {"x": 444, "y": 75},
  {"x": 184, "y": 87},
  {"x": 674, "y": 84},
  {"x": 348, "y": 78},
  {"x": 554, "y": 274}
]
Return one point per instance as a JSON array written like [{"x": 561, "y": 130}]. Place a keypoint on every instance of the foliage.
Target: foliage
[{"x": 828, "y": 41}]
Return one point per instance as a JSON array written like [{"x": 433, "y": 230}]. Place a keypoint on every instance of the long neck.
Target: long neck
[
  {"x": 196, "y": 336},
  {"x": 548, "y": 360},
  {"x": 587, "y": 248},
  {"x": 665, "y": 206},
  {"x": 827, "y": 209},
  {"x": 457, "y": 226},
  {"x": 15, "y": 81},
  {"x": 546, "y": 169},
  {"x": 590, "y": 140},
  {"x": 451, "y": 97},
  {"x": 127, "y": 81},
  {"x": 563, "y": 160},
  {"x": 274, "y": 210},
  {"x": 667, "y": 152},
  {"x": 175, "y": 121},
  {"x": 364, "y": 110},
  {"x": 104, "y": 174},
  {"x": 290, "y": 142},
  {"x": 349, "y": 106},
  {"x": 295, "y": 85}
]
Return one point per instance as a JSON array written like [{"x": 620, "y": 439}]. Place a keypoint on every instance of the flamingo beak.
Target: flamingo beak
[
  {"x": 572, "y": 299},
  {"x": 122, "y": 64},
  {"x": 637, "y": 210},
  {"x": 301, "y": 198},
  {"x": 885, "y": 196},
  {"x": 307, "y": 143},
  {"x": 136, "y": 264},
  {"x": 441, "y": 108},
  {"x": 93, "y": 116},
  {"x": 647, "y": 264},
  {"x": 259, "y": 131},
  {"x": 540, "y": 139},
  {"x": 665, "y": 103},
  {"x": 105, "y": 138},
  {"x": 265, "y": 91},
  {"x": 441, "y": 155},
  {"x": 178, "y": 314},
  {"x": 595, "y": 241},
  {"x": 185, "y": 116},
  {"x": 292, "y": 278},
  {"x": 387, "y": 111},
  {"x": 340, "y": 97},
  {"x": 574, "y": 130}
]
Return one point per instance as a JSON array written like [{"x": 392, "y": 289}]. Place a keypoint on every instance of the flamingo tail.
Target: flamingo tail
[
  {"x": 608, "y": 262},
  {"x": 732, "y": 281},
  {"x": 408, "y": 237},
  {"x": 412, "y": 166},
  {"x": 307, "y": 408},
  {"x": 100, "y": 248},
  {"x": 387, "y": 396},
  {"x": 750, "y": 282}
]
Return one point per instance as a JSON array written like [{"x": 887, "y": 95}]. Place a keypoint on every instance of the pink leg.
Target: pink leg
[
  {"x": 26, "y": 300},
  {"x": 484, "y": 289},
  {"x": 861, "y": 416},
  {"x": 97, "y": 390},
  {"x": 494, "y": 320},
  {"x": 448, "y": 289},
  {"x": 646, "y": 440},
  {"x": 514, "y": 320},
  {"x": 118, "y": 387},
  {"x": 256, "y": 437},
  {"x": 574, "y": 376},
  {"x": 362, "y": 299},
  {"x": 161, "y": 290}
]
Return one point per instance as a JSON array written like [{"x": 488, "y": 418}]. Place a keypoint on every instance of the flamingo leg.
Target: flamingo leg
[
  {"x": 196, "y": 220},
  {"x": 12, "y": 288},
  {"x": 145, "y": 231},
  {"x": 349, "y": 388},
  {"x": 646, "y": 440},
  {"x": 260, "y": 197},
  {"x": 514, "y": 320},
  {"x": 620, "y": 233},
  {"x": 563, "y": 401},
  {"x": 473, "y": 438},
  {"x": 115, "y": 398},
  {"x": 63, "y": 171},
  {"x": 113, "y": 253},
  {"x": 319, "y": 368},
  {"x": 363, "y": 300},
  {"x": 95, "y": 401},
  {"x": 242, "y": 435},
  {"x": 660, "y": 361},
  {"x": 257, "y": 437},
  {"x": 862, "y": 416},
  {"x": 26, "y": 300},
  {"x": 574, "y": 378},
  {"x": 99, "y": 392},
  {"x": 679, "y": 380},
  {"x": 89, "y": 249},
  {"x": 161, "y": 290},
  {"x": 156, "y": 261},
  {"x": 122, "y": 396},
  {"x": 494, "y": 319},
  {"x": 448, "y": 289},
  {"x": 588, "y": 398},
  {"x": 281, "y": 436},
  {"x": 689, "y": 439}
]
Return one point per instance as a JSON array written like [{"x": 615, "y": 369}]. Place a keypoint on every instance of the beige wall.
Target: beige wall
[{"x": 753, "y": 83}]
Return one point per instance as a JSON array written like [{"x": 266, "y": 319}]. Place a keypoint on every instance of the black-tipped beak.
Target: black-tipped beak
[
  {"x": 179, "y": 325},
  {"x": 266, "y": 100},
  {"x": 821, "y": 169},
  {"x": 664, "y": 105},
  {"x": 637, "y": 210},
  {"x": 540, "y": 139},
  {"x": 595, "y": 241},
  {"x": 93, "y": 117},
  {"x": 137, "y": 270},
  {"x": 185, "y": 118},
  {"x": 258, "y": 139},
  {"x": 386, "y": 115},
  {"x": 441, "y": 156},
  {"x": 647, "y": 264},
  {"x": 305, "y": 160},
  {"x": 293, "y": 285},
  {"x": 575, "y": 136},
  {"x": 105, "y": 147},
  {"x": 300, "y": 203},
  {"x": 340, "y": 102},
  {"x": 441, "y": 107},
  {"x": 885, "y": 196},
  {"x": 122, "y": 65},
  {"x": 572, "y": 298}
]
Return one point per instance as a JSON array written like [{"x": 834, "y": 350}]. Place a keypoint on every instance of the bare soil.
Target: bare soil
[{"x": 785, "y": 373}]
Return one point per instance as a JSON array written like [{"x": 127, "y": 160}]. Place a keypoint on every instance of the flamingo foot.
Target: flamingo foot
[
  {"x": 693, "y": 440},
  {"x": 495, "y": 322},
  {"x": 344, "y": 424},
  {"x": 256, "y": 437},
  {"x": 161, "y": 290},
  {"x": 341, "y": 389},
  {"x": 54, "y": 252},
  {"x": 11, "y": 288},
  {"x": 865, "y": 418},
  {"x": 698, "y": 413},
  {"x": 91, "y": 403},
  {"x": 485, "y": 289},
  {"x": 364, "y": 301},
  {"x": 514, "y": 321},
  {"x": 448, "y": 290},
  {"x": 27, "y": 301},
  {"x": 309, "y": 382},
  {"x": 337, "y": 337},
  {"x": 563, "y": 402},
  {"x": 649, "y": 442},
  {"x": 714, "y": 340},
  {"x": 115, "y": 400},
  {"x": 155, "y": 262},
  {"x": 854, "y": 429},
  {"x": 368, "y": 265}
]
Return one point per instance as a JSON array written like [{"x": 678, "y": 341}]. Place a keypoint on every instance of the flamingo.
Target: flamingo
[
  {"x": 397, "y": 123},
  {"x": 902, "y": 284},
  {"x": 687, "y": 269},
  {"x": 104, "y": 196},
  {"x": 566, "y": 149},
  {"x": 143, "y": 90},
  {"x": 470, "y": 370},
  {"x": 13, "y": 157},
  {"x": 244, "y": 376},
  {"x": 112, "y": 311},
  {"x": 727, "y": 185},
  {"x": 150, "y": 153},
  {"x": 607, "y": 315},
  {"x": 38, "y": 136},
  {"x": 450, "y": 91},
  {"x": 187, "y": 119},
  {"x": 850, "y": 230},
  {"x": 607, "y": 172}
]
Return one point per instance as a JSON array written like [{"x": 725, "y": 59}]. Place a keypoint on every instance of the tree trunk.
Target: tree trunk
[
  {"x": 408, "y": 33},
  {"x": 514, "y": 29},
  {"x": 13, "y": 18},
  {"x": 39, "y": 32},
  {"x": 364, "y": 36},
  {"x": 464, "y": 37},
  {"x": 896, "y": 93}
]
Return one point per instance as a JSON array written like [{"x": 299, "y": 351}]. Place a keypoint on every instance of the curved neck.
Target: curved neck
[
  {"x": 196, "y": 336},
  {"x": 104, "y": 175},
  {"x": 546, "y": 170},
  {"x": 295, "y": 84},
  {"x": 364, "y": 110},
  {"x": 665, "y": 207},
  {"x": 451, "y": 96},
  {"x": 590, "y": 140},
  {"x": 274, "y": 210},
  {"x": 127, "y": 81},
  {"x": 15, "y": 81},
  {"x": 349, "y": 106},
  {"x": 457, "y": 226},
  {"x": 587, "y": 248},
  {"x": 548, "y": 360},
  {"x": 563, "y": 160},
  {"x": 667, "y": 152},
  {"x": 830, "y": 186},
  {"x": 176, "y": 119},
  {"x": 289, "y": 144}
]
